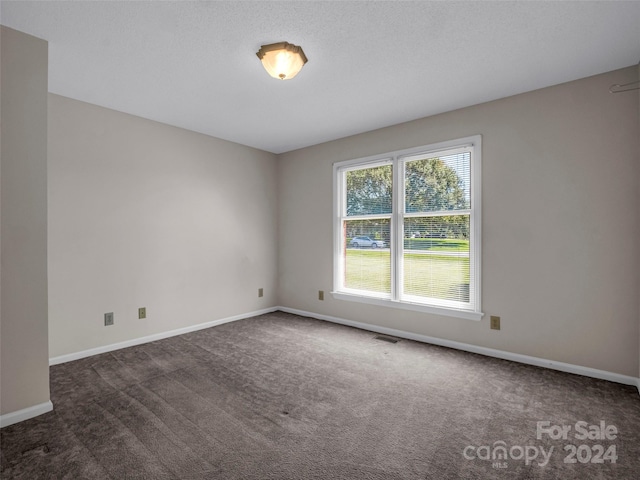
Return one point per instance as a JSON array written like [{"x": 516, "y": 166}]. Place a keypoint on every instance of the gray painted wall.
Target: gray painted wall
[
  {"x": 142, "y": 214},
  {"x": 560, "y": 193},
  {"x": 23, "y": 221}
]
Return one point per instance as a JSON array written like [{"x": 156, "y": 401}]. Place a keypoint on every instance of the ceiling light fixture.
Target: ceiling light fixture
[{"x": 282, "y": 60}]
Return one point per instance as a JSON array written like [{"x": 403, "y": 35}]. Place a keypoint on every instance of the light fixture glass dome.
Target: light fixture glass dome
[{"x": 282, "y": 60}]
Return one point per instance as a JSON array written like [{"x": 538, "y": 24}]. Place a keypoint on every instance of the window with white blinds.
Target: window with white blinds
[
  {"x": 366, "y": 228},
  {"x": 407, "y": 229}
]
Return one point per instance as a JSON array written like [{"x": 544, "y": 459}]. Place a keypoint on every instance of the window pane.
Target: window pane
[
  {"x": 369, "y": 191},
  {"x": 367, "y": 256},
  {"x": 436, "y": 257},
  {"x": 439, "y": 183}
]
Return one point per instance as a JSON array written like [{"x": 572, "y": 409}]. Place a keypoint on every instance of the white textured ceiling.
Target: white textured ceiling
[{"x": 371, "y": 64}]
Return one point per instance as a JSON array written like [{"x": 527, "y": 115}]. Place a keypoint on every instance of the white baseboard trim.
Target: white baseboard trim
[
  {"x": 490, "y": 352},
  {"x": 25, "y": 414},
  {"x": 156, "y": 336}
]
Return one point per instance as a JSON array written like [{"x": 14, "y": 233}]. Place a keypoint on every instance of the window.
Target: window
[{"x": 407, "y": 229}]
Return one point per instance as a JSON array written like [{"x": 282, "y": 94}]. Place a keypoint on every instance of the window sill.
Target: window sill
[{"x": 416, "y": 307}]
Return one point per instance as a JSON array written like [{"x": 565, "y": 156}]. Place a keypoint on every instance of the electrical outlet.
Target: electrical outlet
[
  {"x": 320, "y": 294},
  {"x": 108, "y": 319},
  {"x": 142, "y": 312},
  {"x": 495, "y": 323},
  {"x": 261, "y": 292}
]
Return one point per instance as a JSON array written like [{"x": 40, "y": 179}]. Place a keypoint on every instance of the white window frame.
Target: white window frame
[{"x": 396, "y": 299}]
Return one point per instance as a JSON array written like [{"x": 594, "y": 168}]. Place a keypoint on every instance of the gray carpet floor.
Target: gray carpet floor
[{"x": 286, "y": 397}]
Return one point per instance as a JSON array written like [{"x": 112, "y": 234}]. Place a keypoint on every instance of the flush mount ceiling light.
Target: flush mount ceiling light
[{"x": 282, "y": 60}]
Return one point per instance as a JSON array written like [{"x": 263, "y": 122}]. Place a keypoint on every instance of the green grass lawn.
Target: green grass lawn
[
  {"x": 368, "y": 270},
  {"x": 435, "y": 276},
  {"x": 437, "y": 244}
]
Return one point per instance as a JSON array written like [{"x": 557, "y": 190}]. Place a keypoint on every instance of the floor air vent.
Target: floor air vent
[{"x": 386, "y": 339}]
